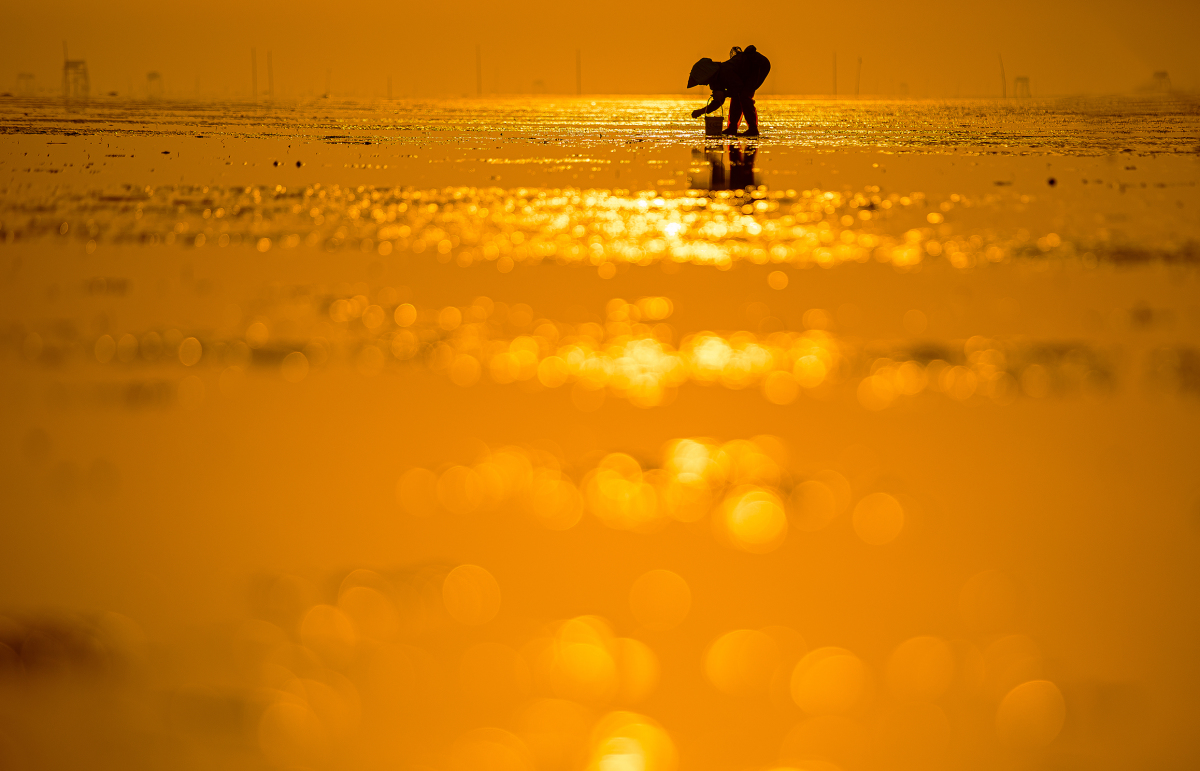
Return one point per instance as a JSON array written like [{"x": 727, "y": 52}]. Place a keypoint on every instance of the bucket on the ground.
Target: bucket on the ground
[{"x": 713, "y": 125}]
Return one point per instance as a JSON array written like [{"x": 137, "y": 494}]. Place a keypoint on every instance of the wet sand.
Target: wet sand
[{"x": 270, "y": 375}]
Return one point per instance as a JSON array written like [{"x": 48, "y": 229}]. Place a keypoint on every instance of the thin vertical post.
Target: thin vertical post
[
  {"x": 478, "y": 71},
  {"x": 389, "y": 88},
  {"x": 1003, "y": 78},
  {"x": 857, "y": 77},
  {"x": 270, "y": 79},
  {"x": 835, "y": 74},
  {"x": 328, "y": 82},
  {"x": 254, "y": 74},
  {"x": 578, "y": 72}
]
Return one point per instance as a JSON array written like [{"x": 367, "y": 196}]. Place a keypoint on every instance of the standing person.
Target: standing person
[{"x": 738, "y": 78}]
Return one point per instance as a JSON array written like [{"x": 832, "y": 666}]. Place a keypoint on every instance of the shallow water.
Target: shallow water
[
  {"x": 1085, "y": 126},
  {"x": 903, "y": 395}
]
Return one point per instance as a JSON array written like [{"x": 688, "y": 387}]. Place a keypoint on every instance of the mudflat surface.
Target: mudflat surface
[{"x": 904, "y": 395}]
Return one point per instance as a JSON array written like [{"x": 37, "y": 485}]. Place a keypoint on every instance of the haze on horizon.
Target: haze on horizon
[{"x": 941, "y": 48}]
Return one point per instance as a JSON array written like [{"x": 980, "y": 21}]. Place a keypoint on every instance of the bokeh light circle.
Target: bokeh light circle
[
  {"x": 660, "y": 599},
  {"x": 471, "y": 595}
]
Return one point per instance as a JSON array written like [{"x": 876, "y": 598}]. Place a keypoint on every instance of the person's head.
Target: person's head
[{"x": 702, "y": 72}]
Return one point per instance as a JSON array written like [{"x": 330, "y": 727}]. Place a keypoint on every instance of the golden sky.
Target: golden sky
[{"x": 937, "y": 48}]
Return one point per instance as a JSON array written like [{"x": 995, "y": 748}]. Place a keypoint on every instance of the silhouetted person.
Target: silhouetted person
[{"x": 738, "y": 78}]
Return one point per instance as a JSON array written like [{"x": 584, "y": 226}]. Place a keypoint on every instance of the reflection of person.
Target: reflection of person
[
  {"x": 730, "y": 167},
  {"x": 716, "y": 165},
  {"x": 741, "y": 166},
  {"x": 738, "y": 78}
]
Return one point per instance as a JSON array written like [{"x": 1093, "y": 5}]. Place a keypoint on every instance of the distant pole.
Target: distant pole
[
  {"x": 389, "y": 88},
  {"x": 835, "y": 74},
  {"x": 857, "y": 77},
  {"x": 328, "y": 82},
  {"x": 578, "y": 72},
  {"x": 478, "y": 71},
  {"x": 270, "y": 79},
  {"x": 1003, "y": 79},
  {"x": 254, "y": 74}
]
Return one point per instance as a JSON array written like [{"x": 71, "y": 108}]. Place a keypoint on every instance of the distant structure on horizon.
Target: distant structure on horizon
[
  {"x": 25, "y": 84},
  {"x": 75, "y": 81},
  {"x": 1161, "y": 82},
  {"x": 1021, "y": 87}
]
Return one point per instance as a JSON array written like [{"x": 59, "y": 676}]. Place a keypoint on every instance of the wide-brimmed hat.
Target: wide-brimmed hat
[{"x": 702, "y": 72}]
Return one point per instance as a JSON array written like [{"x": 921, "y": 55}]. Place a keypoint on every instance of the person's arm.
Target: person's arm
[{"x": 714, "y": 104}]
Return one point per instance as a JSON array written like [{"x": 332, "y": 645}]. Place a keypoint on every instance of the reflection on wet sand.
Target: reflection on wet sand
[
  {"x": 719, "y": 222},
  {"x": 633, "y": 353},
  {"x": 725, "y": 166}
]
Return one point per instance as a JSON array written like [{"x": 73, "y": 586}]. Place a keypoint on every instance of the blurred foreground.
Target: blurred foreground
[{"x": 544, "y": 435}]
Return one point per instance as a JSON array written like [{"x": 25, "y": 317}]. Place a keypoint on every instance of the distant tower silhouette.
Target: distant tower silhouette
[
  {"x": 75, "y": 77},
  {"x": 154, "y": 85},
  {"x": 1161, "y": 82},
  {"x": 1021, "y": 87},
  {"x": 24, "y": 84}
]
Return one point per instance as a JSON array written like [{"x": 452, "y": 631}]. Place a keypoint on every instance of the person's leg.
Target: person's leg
[
  {"x": 735, "y": 113},
  {"x": 751, "y": 113}
]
